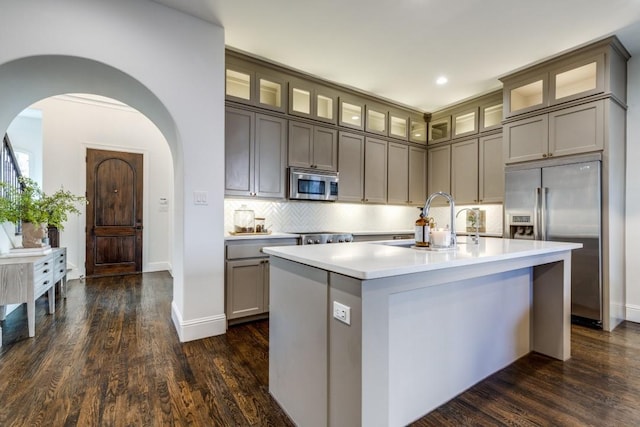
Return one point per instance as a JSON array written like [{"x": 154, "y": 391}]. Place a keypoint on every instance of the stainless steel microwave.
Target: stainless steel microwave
[{"x": 312, "y": 184}]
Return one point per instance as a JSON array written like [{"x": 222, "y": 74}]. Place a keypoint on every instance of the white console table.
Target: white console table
[{"x": 24, "y": 279}]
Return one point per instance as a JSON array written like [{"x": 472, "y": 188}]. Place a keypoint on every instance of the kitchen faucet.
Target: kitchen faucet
[
  {"x": 449, "y": 197},
  {"x": 476, "y": 214}
]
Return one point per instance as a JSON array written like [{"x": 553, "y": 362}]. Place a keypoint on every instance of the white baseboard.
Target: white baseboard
[
  {"x": 633, "y": 313},
  {"x": 157, "y": 266},
  {"x": 196, "y": 329}
]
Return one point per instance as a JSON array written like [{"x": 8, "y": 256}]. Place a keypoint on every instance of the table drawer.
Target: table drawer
[
  {"x": 42, "y": 276},
  {"x": 59, "y": 265}
]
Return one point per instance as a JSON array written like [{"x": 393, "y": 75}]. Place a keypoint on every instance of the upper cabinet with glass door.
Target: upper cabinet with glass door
[
  {"x": 464, "y": 122},
  {"x": 312, "y": 101},
  {"x": 526, "y": 95},
  {"x": 254, "y": 85},
  {"x": 599, "y": 68},
  {"x": 376, "y": 119},
  {"x": 351, "y": 112},
  {"x": 417, "y": 129},
  {"x": 491, "y": 112},
  {"x": 239, "y": 83},
  {"x": 582, "y": 78},
  {"x": 398, "y": 125},
  {"x": 439, "y": 129}
]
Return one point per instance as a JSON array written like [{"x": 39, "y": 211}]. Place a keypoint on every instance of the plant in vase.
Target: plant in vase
[{"x": 36, "y": 210}]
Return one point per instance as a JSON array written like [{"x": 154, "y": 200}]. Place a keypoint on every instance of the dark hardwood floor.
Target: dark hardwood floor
[{"x": 110, "y": 356}]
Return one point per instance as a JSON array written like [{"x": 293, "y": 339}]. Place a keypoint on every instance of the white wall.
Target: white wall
[
  {"x": 72, "y": 124},
  {"x": 25, "y": 134},
  {"x": 633, "y": 191},
  {"x": 167, "y": 65}
]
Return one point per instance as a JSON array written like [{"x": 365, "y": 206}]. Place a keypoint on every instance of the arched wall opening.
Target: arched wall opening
[
  {"x": 56, "y": 133},
  {"x": 165, "y": 64},
  {"x": 27, "y": 80}
]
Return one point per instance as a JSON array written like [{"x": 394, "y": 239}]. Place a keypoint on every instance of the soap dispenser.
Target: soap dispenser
[{"x": 422, "y": 230}]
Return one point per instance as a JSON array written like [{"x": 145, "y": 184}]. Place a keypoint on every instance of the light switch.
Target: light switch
[{"x": 200, "y": 198}]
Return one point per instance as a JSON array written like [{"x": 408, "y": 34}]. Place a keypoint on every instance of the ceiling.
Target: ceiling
[{"x": 398, "y": 48}]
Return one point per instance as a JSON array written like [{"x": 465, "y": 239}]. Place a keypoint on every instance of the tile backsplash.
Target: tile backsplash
[{"x": 300, "y": 216}]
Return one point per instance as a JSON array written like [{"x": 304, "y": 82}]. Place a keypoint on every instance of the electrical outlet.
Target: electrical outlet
[{"x": 342, "y": 312}]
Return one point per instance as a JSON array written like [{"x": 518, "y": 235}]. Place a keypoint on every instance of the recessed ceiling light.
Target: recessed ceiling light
[{"x": 442, "y": 80}]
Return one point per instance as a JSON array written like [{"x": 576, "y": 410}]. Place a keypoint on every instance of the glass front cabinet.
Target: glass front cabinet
[
  {"x": 312, "y": 101},
  {"x": 439, "y": 129},
  {"x": 376, "y": 119},
  {"x": 253, "y": 85},
  {"x": 398, "y": 125},
  {"x": 351, "y": 113}
]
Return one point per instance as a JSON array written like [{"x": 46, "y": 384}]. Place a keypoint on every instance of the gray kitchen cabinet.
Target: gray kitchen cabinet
[
  {"x": 573, "y": 130},
  {"x": 406, "y": 175},
  {"x": 398, "y": 174},
  {"x": 490, "y": 169},
  {"x": 351, "y": 112},
  {"x": 312, "y": 101},
  {"x": 526, "y": 139},
  {"x": 464, "y": 122},
  {"x": 491, "y": 113},
  {"x": 350, "y": 167},
  {"x": 398, "y": 125},
  {"x": 246, "y": 283},
  {"x": 255, "y": 154},
  {"x": 312, "y": 146},
  {"x": 578, "y": 129},
  {"x": 417, "y": 176},
  {"x": 375, "y": 170},
  {"x": 376, "y": 119},
  {"x": 439, "y": 129},
  {"x": 439, "y": 172},
  {"x": 254, "y": 85},
  {"x": 417, "y": 129},
  {"x": 464, "y": 172},
  {"x": 247, "y": 278},
  {"x": 599, "y": 68}
]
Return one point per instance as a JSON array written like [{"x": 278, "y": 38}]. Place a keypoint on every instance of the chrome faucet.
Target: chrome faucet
[
  {"x": 452, "y": 206},
  {"x": 476, "y": 214}
]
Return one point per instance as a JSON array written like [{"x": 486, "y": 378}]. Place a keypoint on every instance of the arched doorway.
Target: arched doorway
[{"x": 61, "y": 130}]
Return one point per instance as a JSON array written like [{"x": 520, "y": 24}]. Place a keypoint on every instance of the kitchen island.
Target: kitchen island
[{"x": 416, "y": 327}]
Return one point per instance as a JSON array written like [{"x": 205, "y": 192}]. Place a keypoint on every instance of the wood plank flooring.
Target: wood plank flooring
[{"x": 110, "y": 356}]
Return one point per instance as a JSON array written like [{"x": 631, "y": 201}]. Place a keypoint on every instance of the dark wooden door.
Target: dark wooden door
[{"x": 114, "y": 213}]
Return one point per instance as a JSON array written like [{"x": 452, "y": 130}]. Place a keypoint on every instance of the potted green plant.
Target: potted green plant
[{"x": 36, "y": 210}]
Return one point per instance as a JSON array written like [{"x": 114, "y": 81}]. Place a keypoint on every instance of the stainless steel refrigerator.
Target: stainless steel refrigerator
[{"x": 560, "y": 200}]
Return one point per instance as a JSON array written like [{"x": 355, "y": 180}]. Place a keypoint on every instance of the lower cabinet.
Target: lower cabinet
[
  {"x": 247, "y": 278},
  {"x": 247, "y": 287}
]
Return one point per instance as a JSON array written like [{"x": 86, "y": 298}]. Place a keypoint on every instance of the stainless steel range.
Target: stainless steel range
[{"x": 325, "y": 237}]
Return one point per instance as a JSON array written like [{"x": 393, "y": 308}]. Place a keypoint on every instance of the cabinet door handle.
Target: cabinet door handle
[
  {"x": 544, "y": 155},
  {"x": 550, "y": 154}
]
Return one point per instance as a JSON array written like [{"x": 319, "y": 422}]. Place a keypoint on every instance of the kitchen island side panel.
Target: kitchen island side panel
[{"x": 298, "y": 341}]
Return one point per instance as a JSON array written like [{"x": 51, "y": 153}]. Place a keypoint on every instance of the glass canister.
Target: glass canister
[
  {"x": 260, "y": 228},
  {"x": 244, "y": 220}
]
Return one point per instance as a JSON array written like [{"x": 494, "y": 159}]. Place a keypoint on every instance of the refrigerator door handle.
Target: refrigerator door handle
[
  {"x": 543, "y": 216},
  {"x": 536, "y": 215}
]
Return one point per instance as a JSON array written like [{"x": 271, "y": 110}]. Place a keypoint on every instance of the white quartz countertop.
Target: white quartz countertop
[
  {"x": 373, "y": 260},
  {"x": 228, "y": 236}
]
